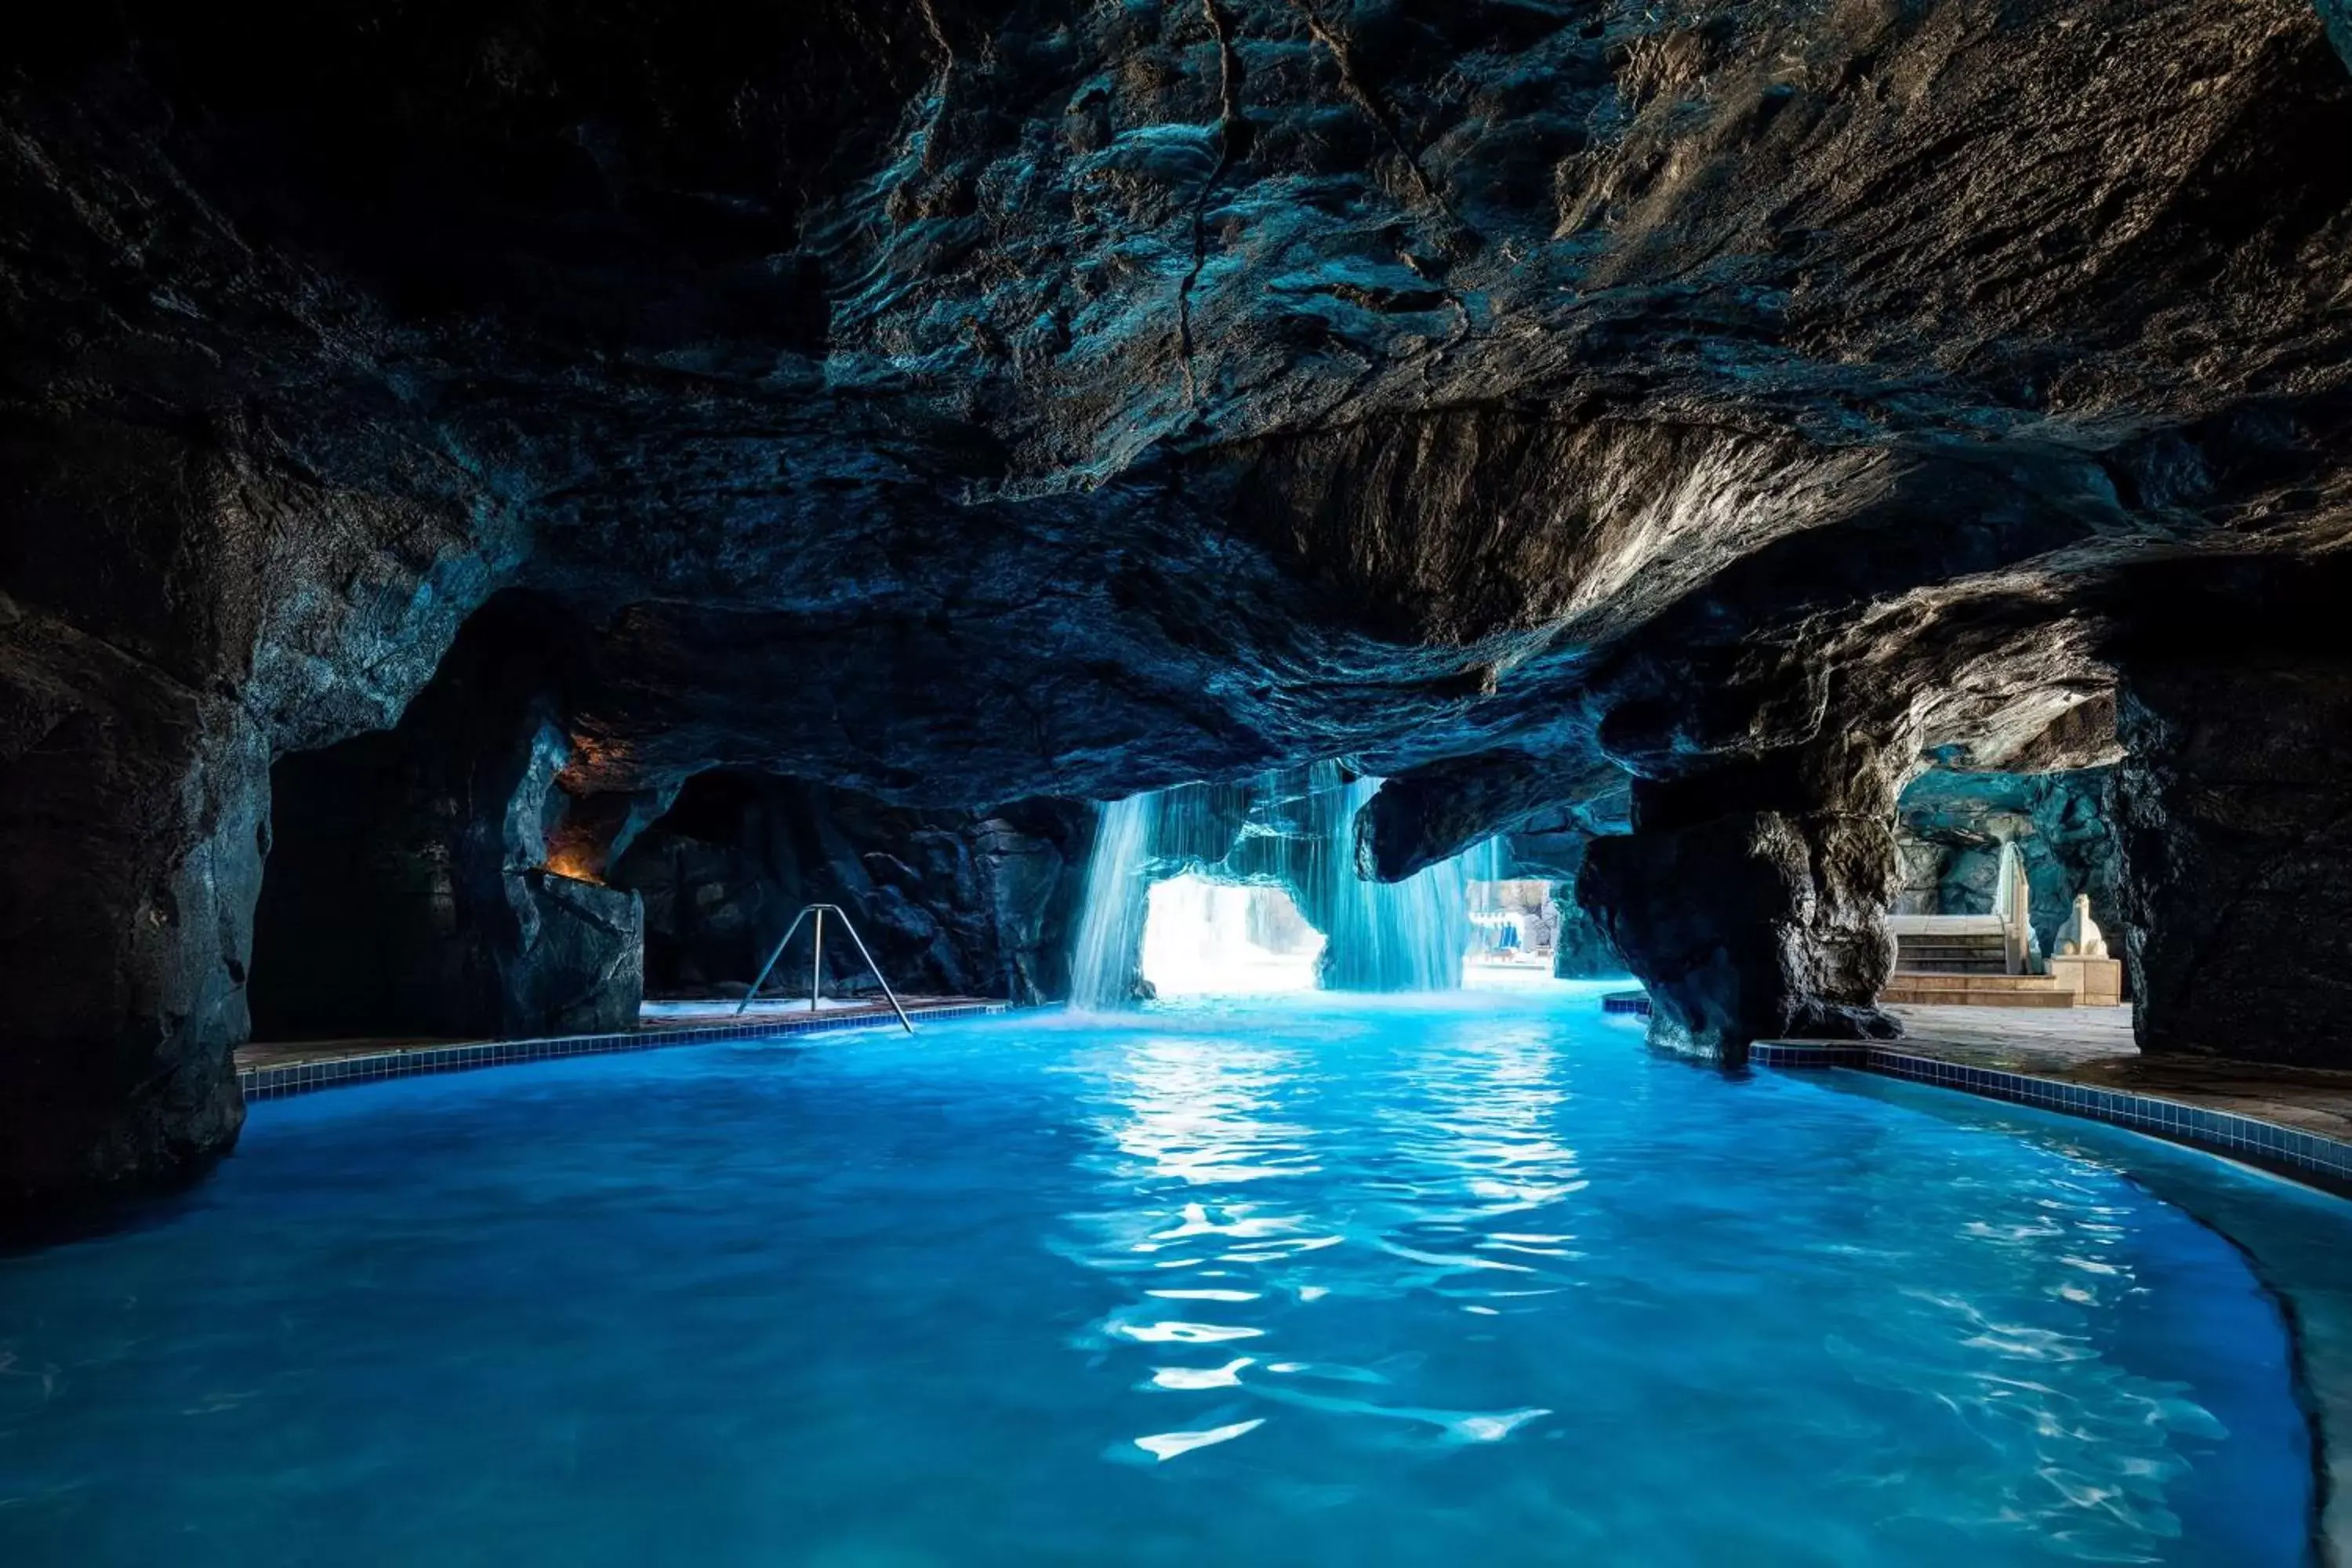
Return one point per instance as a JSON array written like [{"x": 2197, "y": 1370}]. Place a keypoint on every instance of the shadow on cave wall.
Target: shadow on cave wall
[{"x": 950, "y": 903}]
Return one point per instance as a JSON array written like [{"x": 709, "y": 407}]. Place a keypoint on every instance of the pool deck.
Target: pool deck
[
  {"x": 2095, "y": 1046},
  {"x": 2081, "y": 1061},
  {"x": 272, "y": 1070}
]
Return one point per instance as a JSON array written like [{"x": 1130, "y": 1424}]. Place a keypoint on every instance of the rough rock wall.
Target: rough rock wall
[
  {"x": 1796, "y": 859},
  {"x": 1951, "y": 825},
  {"x": 133, "y": 818},
  {"x": 2338, "y": 17},
  {"x": 2238, "y": 825},
  {"x": 950, "y": 903},
  {"x": 1582, "y": 949},
  {"x": 170, "y": 620},
  {"x": 2236, "y": 806}
]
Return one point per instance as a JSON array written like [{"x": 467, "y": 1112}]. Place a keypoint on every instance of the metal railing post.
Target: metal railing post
[
  {"x": 817, "y": 961},
  {"x": 877, "y": 969},
  {"x": 779, "y": 953}
]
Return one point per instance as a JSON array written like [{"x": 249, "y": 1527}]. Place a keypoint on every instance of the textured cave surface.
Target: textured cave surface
[
  {"x": 1751, "y": 899},
  {"x": 950, "y": 903},
  {"x": 1696, "y": 418},
  {"x": 2236, "y": 830},
  {"x": 1581, "y": 949}
]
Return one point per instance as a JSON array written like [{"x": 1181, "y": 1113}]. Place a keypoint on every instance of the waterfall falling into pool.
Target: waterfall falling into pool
[
  {"x": 1295, "y": 831},
  {"x": 1386, "y": 936},
  {"x": 1111, "y": 926}
]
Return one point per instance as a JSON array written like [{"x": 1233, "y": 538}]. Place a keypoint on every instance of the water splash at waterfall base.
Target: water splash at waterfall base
[{"x": 1103, "y": 971}]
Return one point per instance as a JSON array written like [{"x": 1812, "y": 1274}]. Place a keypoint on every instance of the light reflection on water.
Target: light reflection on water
[
  {"x": 1454, "y": 1183},
  {"x": 1326, "y": 1281}
]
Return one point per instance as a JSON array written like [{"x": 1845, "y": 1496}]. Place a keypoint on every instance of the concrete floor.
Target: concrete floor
[
  {"x": 2030, "y": 1039},
  {"x": 718, "y": 1010},
  {"x": 2095, "y": 1045}
]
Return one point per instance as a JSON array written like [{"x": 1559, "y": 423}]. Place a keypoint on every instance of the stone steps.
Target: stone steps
[
  {"x": 1911, "y": 988},
  {"x": 1950, "y": 952}
]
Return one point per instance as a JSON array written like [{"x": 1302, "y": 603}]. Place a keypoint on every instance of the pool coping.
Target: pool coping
[
  {"x": 2313, "y": 1157},
  {"x": 304, "y": 1078}
]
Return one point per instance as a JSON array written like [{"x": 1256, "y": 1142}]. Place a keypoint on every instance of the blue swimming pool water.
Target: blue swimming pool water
[{"x": 1300, "y": 1282}]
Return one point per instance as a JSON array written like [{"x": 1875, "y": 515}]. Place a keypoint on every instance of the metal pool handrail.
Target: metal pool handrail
[{"x": 817, "y": 961}]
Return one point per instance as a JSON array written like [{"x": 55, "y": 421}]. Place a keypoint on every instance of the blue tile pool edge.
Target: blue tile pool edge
[
  {"x": 304, "y": 1078},
  {"x": 2326, "y": 1160}
]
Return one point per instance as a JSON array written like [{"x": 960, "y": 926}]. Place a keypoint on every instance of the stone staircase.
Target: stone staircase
[
  {"x": 1950, "y": 952},
  {"x": 1963, "y": 961}
]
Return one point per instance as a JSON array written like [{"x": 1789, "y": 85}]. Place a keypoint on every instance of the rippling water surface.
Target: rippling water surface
[{"x": 1466, "y": 1281}]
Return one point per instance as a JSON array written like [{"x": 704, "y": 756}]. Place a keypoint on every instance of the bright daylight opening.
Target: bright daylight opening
[
  {"x": 1513, "y": 925},
  {"x": 1203, "y": 938}
]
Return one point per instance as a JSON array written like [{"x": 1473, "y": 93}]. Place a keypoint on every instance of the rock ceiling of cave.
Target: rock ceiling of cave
[{"x": 959, "y": 401}]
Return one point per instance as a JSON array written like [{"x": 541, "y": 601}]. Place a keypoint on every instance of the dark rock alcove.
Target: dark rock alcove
[
  {"x": 408, "y": 889},
  {"x": 2234, "y": 801},
  {"x": 949, "y": 903}
]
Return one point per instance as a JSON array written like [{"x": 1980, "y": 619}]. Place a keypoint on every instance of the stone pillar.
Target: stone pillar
[
  {"x": 134, "y": 778},
  {"x": 1751, "y": 899},
  {"x": 131, "y": 813},
  {"x": 1582, "y": 949},
  {"x": 175, "y": 610},
  {"x": 2235, "y": 805}
]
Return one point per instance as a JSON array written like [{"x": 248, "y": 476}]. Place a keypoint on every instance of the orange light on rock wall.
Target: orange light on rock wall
[{"x": 571, "y": 861}]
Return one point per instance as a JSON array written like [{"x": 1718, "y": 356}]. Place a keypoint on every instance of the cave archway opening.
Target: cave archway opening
[
  {"x": 408, "y": 892},
  {"x": 1206, "y": 935},
  {"x": 1985, "y": 846},
  {"x": 1203, "y": 936}
]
